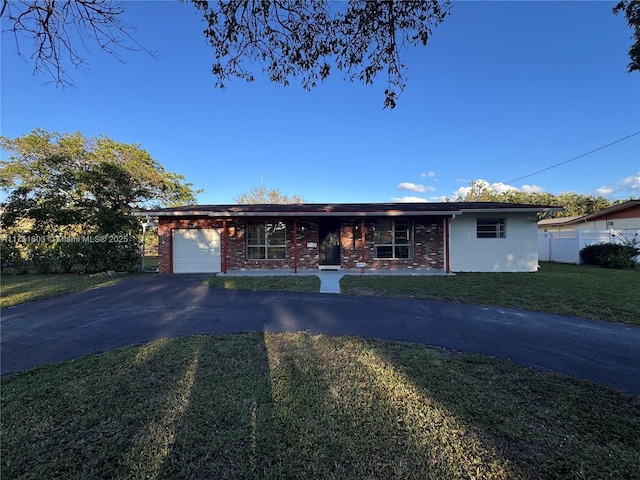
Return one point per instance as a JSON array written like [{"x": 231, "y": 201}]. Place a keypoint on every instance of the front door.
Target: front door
[{"x": 329, "y": 243}]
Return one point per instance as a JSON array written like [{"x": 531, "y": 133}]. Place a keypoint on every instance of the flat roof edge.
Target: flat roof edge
[{"x": 203, "y": 213}]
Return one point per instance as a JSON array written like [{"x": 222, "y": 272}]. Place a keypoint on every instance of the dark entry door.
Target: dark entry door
[{"x": 329, "y": 243}]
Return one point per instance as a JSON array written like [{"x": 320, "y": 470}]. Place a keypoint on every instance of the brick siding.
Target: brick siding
[{"x": 428, "y": 244}]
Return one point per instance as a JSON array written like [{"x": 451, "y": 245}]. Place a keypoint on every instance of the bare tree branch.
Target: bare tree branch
[{"x": 55, "y": 28}]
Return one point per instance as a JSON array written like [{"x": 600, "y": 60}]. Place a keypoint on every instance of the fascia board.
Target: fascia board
[
  {"x": 226, "y": 214},
  {"x": 512, "y": 210}
]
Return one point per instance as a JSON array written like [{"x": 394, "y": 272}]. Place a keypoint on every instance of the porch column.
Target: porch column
[
  {"x": 295, "y": 246},
  {"x": 447, "y": 268},
  {"x": 224, "y": 245},
  {"x": 362, "y": 236}
]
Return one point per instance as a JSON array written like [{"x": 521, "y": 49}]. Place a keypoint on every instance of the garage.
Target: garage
[{"x": 196, "y": 250}]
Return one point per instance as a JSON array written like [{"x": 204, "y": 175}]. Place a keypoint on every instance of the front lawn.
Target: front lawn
[
  {"x": 295, "y": 406},
  {"x": 288, "y": 283},
  {"x": 578, "y": 290},
  {"x": 26, "y": 288}
]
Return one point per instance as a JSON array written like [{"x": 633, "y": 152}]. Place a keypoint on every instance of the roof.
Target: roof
[
  {"x": 344, "y": 209},
  {"x": 560, "y": 221},
  {"x": 614, "y": 208}
]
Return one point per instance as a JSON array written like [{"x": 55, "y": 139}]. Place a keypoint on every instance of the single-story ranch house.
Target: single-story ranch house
[{"x": 445, "y": 237}]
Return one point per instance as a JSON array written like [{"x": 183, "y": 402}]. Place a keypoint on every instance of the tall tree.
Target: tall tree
[
  {"x": 263, "y": 195},
  {"x": 67, "y": 185}
]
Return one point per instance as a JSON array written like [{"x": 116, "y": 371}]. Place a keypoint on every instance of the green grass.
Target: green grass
[
  {"x": 150, "y": 262},
  {"x": 578, "y": 290},
  {"x": 18, "y": 289},
  {"x": 291, "y": 283},
  {"x": 299, "y": 406}
]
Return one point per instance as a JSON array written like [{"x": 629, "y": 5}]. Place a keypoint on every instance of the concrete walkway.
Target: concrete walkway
[{"x": 329, "y": 279}]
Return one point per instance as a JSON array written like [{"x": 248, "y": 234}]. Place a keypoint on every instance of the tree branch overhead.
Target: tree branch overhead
[{"x": 303, "y": 40}]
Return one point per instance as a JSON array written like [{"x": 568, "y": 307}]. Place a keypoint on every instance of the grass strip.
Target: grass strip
[
  {"x": 578, "y": 290},
  {"x": 289, "y": 283},
  {"x": 18, "y": 289},
  {"x": 269, "y": 406}
]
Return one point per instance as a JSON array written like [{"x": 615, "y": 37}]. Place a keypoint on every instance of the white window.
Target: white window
[
  {"x": 393, "y": 239},
  {"x": 266, "y": 241},
  {"x": 491, "y": 228}
]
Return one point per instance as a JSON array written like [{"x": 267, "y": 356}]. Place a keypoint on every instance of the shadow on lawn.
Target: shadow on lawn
[
  {"x": 297, "y": 406},
  {"x": 537, "y": 424},
  {"x": 320, "y": 406},
  {"x": 258, "y": 405}
]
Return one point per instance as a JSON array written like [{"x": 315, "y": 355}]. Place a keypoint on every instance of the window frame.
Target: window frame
[
  {"x": 394, "y": 246},
  {"x": 488, "y": 228},
  {"x": 264, "y": 244}
]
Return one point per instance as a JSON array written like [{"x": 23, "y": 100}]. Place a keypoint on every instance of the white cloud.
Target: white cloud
[
  {"x": 408, "y": 199},
  {"x": 413, "y": 187},
  {"x": 495, "y": 187},
  {"x": 503, "y": 187},
  {"x": 604, "y": 191},
  {"x": 441, "y": 199},
  {"x": 429, "y": 174},
  {"x": 532, "y": 189},
  {"x": 626, "y": 186},
  {"x": 630, "y": 183},
  {"x": 462, "y": 192}
]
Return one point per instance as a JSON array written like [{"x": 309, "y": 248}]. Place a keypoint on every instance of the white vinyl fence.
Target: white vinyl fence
[{"x": 564, "y": 247}]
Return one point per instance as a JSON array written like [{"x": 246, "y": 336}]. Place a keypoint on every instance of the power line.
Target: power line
[{"x": 571, "y": 159}]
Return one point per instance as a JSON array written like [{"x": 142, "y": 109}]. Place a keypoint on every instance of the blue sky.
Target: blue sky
[{"x": 503, "y": 89}]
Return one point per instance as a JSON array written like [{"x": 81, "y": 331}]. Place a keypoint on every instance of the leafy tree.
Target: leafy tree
[
  {"x": 575, "y": 204},
  {"x": 631, "y": 9},
  {"x": 65, "y": 185},
  {"x": 263, "y": 195},
  {"x": 290, "y": 39}
]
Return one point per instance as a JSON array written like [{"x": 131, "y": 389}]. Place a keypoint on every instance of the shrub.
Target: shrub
[
  {"x": 610, "y": 255},
  {"x": 97, "y": 257},
  {"x": 11, "y": 260}
]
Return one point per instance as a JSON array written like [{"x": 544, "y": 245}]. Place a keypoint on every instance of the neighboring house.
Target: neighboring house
[
  {"x": 445, "y": 237},
  {"x": 623, "y": 216}
]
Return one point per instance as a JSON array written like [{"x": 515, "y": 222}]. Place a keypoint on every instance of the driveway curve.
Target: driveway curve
[{"x": 141, "y": 310}]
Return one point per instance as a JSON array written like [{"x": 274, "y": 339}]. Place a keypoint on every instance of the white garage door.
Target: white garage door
[{"x": 196, "y": 251}]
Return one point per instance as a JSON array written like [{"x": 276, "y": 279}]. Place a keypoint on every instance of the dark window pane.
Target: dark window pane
[
  {"x": 402, "y": 230},
  {"x": 383, "y": 231},
  {"x": 403, "y": 251},
  {"x": 276, "y": 253},
  {"x": 256, "y": 253},
  {"x": 384, "y": 251}
]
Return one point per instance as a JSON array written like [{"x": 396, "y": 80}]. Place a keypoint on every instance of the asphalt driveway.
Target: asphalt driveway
[{"x": 141, "y": 310}]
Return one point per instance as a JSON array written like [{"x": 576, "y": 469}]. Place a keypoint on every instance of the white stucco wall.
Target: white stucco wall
[{"x": 518, "y": 252}]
